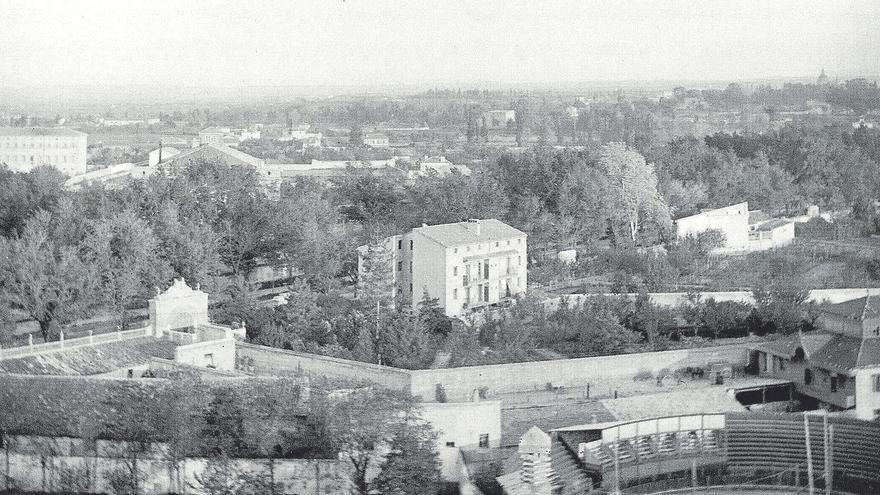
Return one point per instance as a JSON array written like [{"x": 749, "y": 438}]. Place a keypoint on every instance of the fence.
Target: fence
[{"x": 62, "y": 344}]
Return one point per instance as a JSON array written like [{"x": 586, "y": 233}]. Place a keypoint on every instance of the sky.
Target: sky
[{"x": 197, "y": 43}]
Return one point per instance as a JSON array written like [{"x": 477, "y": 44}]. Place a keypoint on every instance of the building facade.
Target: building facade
[
  {"x": 732, "y": 221},
  {"x": 744, "y": 231},
  {"x": 23, "y": 148},
  {"x": 838, "y": 366},
  {"x": 463, "y": 265}
]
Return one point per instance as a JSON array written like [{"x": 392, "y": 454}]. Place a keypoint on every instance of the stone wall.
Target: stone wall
[
  {"x": 31, "y": 472},
  {"x": 675, "y": 299},
  {"x": 262, "y": 360},
  {"x": 461, "y": 383}
]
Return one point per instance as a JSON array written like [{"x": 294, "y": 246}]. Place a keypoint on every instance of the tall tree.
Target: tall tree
[
  {"x": 125, "y": 252},
  {"x": 47, "y": 282},
  {"x": 411, "y": 466},
  {"x": 364, "y": 424},
  {"x": 633, "y": 190}
]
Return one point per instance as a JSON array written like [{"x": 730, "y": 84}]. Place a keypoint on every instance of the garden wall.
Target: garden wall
[
  {"x": 262, "y": 360},
  {"x": 461, "y": 383}
]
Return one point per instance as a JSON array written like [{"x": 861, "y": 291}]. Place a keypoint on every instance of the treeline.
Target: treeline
[{"x": 260, "y": 419}]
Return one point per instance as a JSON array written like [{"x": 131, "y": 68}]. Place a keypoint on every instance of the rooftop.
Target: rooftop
[
  {"x": 829, "y": 350},
  {"x": 39, "y": 131},
  {"x": 463, "y": 233},
  {"x": 772, "y": 224},
  {"x": 856, "y": 309},
  {"x": 92, "y": 360}
]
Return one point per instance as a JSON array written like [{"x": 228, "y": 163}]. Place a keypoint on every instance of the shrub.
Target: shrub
[
  {"x": 483, "y": 392},
  {"x": 643, "y": 376},
  {"x": 440, "y": 393}
]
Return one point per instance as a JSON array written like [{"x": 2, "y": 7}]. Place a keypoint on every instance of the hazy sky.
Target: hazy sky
[{"x": 356, "y": 42}]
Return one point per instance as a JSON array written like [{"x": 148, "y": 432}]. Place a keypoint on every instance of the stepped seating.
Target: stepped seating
[
  {"x": 710, "y": 440},
  {"x": 690, "y": 442},
  {"x": 645, "y": 447},
  {"x": 666, "y": 445},
  {"x": 777, "y": 441}
]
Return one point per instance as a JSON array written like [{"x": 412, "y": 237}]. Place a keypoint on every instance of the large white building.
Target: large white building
[
  {"x": 743, "y": 231},
  {"x": 23, "y": 148},
  {"x": 463, "y": 265}
]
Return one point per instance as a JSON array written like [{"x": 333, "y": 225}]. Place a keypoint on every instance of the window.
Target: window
[
  {"x": 519, "y": 260},
  {"x": 484, "y": 441},
  {"x": 508, "y": 242},
  {"x": 410, "y": 287},
  {"x": 400, "y": 244},
  {"x": 808, "y": 378},
  {"x": 410, "y": 266},
  {"x": 450, "y": 444},
  {"x": 486, "y": 269},
  {"x": 876, "y": 383},
  {"x": 454, "y": 294},
  {"x": 833, "y": 384},
  {"x": 454, "y": 271},
  {"x": 399, "y": 266},
  {"x": 497, "y": 243},
  {"x": 486, "y": 292},
  {"x": 410, "y": 245},
  {"x": 455, "y": 250},
  {"x": 877, "y": 332},
  {"x": 209, "y": 360}
]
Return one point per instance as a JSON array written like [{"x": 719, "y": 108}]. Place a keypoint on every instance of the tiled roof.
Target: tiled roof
[
  {"x": 846, "y": 353},
  {"x": 856, "y": 309},
  {"x": 829, "y": 350},
  {"x": 786, "y": 346},
  {"x": 39, "y": 131},
  {"x": 92, "y": 360},
  {"x": 233, "y": 153},
  {"x": 459, "y": 234}
]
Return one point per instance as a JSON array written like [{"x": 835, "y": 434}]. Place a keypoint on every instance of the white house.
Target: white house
[
  {"x": 463, "y": 265},
  {"x": 743, "y": 231}
]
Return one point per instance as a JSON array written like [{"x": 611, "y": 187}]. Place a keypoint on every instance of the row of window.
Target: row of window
[
  {"x": 468, "y": 248},
  {"x": 40, "y": 144},
  {"x": 37, "y": 159}
]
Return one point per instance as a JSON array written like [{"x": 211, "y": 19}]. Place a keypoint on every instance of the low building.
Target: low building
[
  {"x": 463, "y": 265},
  {"x": 376, "y": 140},
  {"x": 771, "y": 234},
  {"x": 23, "y": 148},
  {"x": 744, "y": 231},
  {"x": 213, "y": 135},
  {"x": 839, "y": 365},
  {"x": 732, "y": 221},
  {"x": 499, "y": 119}
]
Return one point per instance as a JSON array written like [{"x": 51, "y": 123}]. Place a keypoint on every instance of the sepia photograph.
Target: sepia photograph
[{"x": 461, "y": 247}]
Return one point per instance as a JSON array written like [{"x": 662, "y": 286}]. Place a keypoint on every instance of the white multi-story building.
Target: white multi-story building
[
  {"x": 463, "y": 265},
  {"x": 23, "y": 148}
]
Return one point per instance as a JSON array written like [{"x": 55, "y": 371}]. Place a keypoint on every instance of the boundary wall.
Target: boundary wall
[
  {"x": 463, "y": 383},
  {"x": 39, "y": 472},
  {"x": 675, "y": 299},
  {"x": 263, "y": 360}
]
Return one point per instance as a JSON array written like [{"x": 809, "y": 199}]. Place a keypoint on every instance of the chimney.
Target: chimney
[{"x": 473, "y": 224}]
